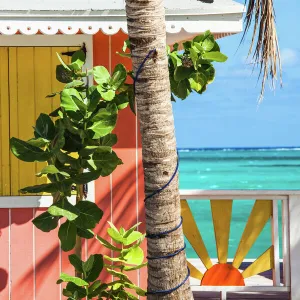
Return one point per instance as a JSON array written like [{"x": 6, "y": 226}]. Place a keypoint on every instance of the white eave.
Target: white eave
[{"x": 184, "y": 18}]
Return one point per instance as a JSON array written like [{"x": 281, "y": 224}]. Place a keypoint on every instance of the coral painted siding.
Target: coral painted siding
[{"x": 120, "y": 194}]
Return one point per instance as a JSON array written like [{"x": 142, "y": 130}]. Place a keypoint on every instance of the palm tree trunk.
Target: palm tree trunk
[{"x": 146, "y": 28}]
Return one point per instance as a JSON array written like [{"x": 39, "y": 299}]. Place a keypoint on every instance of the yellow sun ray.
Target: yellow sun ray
[
  {"x": 221, "y": 214},
  {"x": 195, "y": 273},
  {"x": 260, "y": 214},
  {"x": 264, "y": 263},
  {"x": 192, "y": 233}
]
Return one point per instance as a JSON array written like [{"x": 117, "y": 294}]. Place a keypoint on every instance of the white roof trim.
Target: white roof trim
[{"x": 30, "y": 24}]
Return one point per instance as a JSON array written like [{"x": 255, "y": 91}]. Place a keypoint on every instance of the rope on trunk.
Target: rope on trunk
[
  {"x": 169, "y": 291},
  {"x": 168, "y": 255},
  {"x": 164, "y": 233}
]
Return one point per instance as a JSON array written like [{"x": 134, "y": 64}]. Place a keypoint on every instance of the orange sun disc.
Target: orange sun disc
[{"x": 223, "y": 275}]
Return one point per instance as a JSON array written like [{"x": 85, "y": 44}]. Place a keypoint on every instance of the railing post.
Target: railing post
[
  {"x": 224, "y": 295},
  {"x": 294, "y": 228},
  {"x": 275, "y": 241},
  {"x": 286, "y": 243}
]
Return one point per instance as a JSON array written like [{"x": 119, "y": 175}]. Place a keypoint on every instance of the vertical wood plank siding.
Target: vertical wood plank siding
[{"x": 4, "y": 121}]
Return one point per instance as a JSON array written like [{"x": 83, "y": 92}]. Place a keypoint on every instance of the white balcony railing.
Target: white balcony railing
[{"x": 285, "y": 279}]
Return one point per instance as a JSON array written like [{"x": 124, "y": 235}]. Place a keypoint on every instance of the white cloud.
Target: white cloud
[{"x": 290, "y": 57}]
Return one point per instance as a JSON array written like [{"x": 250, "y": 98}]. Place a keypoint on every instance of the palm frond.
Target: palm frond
[{"x": 264, "y": 43}]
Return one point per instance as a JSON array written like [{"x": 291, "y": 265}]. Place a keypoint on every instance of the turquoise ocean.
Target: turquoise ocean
[{"x": 237, "y": 168}]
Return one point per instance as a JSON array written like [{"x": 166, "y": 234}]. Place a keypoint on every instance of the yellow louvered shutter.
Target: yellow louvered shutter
[{"x": 27, "y": 75}]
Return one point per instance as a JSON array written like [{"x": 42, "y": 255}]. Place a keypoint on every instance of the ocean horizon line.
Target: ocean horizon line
[{"x": 282, "y": 148}]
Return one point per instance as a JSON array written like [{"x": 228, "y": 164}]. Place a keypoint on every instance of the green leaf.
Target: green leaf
[
  {"x": 127, "y": 268},
  {"x": 93, "y": 267},
  {"x": 88, "y": 150},
  {"x": 71, "y": 101},
  {"x": 101, "y": 75},
  {"x": 118, "y": 77},
  {"x": 210, "y": 74},
  {"x": 216, "y": 48},
  {"x": 138, "y": 290},
  {"x": 39, "y": 142},
  {"x": 109, "y": 140},
  {"x": 183, "y": 89},
  {"x": 130, "y": 296},
  {"x": 115, "y": 235},
  {"x": 129, "y": 231},
  {"x": 104, "y": 121},
  {"x": 107, "y": 93},
  {"x": 120, "y": 275},
  {"x": 123, "y": 54},
  {"x": 76, "y": 262},
  {"x": 44, "y": 127},
  {"x": 52, "y": 95},
  {"x": 198, "y": 47},
  {"x": 78, "y": 60},
  {"x": 135, "y": 256},
  {"x": 67, "y": 278},
  {"x": 209, "y": 43},
  {"x": 182, "y": 73},
  {"x": 72, "y": 289},
  {"x": 56, "y": 112},
  {"x": 85, "y": 233},
  {"x": 133, "y": 237},
  {"x": 126, "y": 45},
  {"x": 131, "y": 98},
  {"x": 67, "y": 236},
  {"x": 187, "y": 45},
  {"x": 63, "y": 75},
  {"x": 199, "y": 38},
  {"x": 73, "y": 84},
  {"x": 175, "y": 47},
  {"x": 175, "y": 59},
  {"x": 51, "y": 169},
  {"x": 62, "y": 62},
  {"x": 84, "y": 177},
  {"x": 215, "y": 56},
  {"x": 107, "y": 162},
  {"x": 194, "y": 57},
  {"x": 114, "y": 259},
  {"x": 95, "y": 290},
  {"x": 197, "y": 81},
  {"x": 26, "y": 152},
  {"x": 65, "y": 158},
  {"x": 45, "y": 222},
  {"x": 107, "y": 244},
  {"x": 94, "y": 98},
  {"x": 94, "y": 286},
  {"x": 121, "y": 100},
  {"x": 63, "y": 208},
  {"x": 90, "y": 215},
  {"x": 59, "y": 140},
  {"x": 36, "y": 189}
]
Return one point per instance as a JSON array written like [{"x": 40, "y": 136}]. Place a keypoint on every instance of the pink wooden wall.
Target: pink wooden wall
[{"x": 30, "y": 260}]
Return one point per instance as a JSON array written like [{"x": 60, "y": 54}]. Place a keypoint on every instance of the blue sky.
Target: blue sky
[{"x": 227, "y": 115}]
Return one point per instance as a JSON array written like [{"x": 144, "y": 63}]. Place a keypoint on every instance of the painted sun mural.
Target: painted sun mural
[{"x": 223, "y": 273}]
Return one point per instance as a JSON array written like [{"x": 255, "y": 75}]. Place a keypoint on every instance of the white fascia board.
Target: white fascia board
[{"x": 90, "y": 23}]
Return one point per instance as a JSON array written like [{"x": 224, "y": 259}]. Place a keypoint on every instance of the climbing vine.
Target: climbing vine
[{"x": 75, "y": 142}]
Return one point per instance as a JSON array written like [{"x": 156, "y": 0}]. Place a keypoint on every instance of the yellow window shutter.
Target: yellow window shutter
[{"x": 27, "y": 76}]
